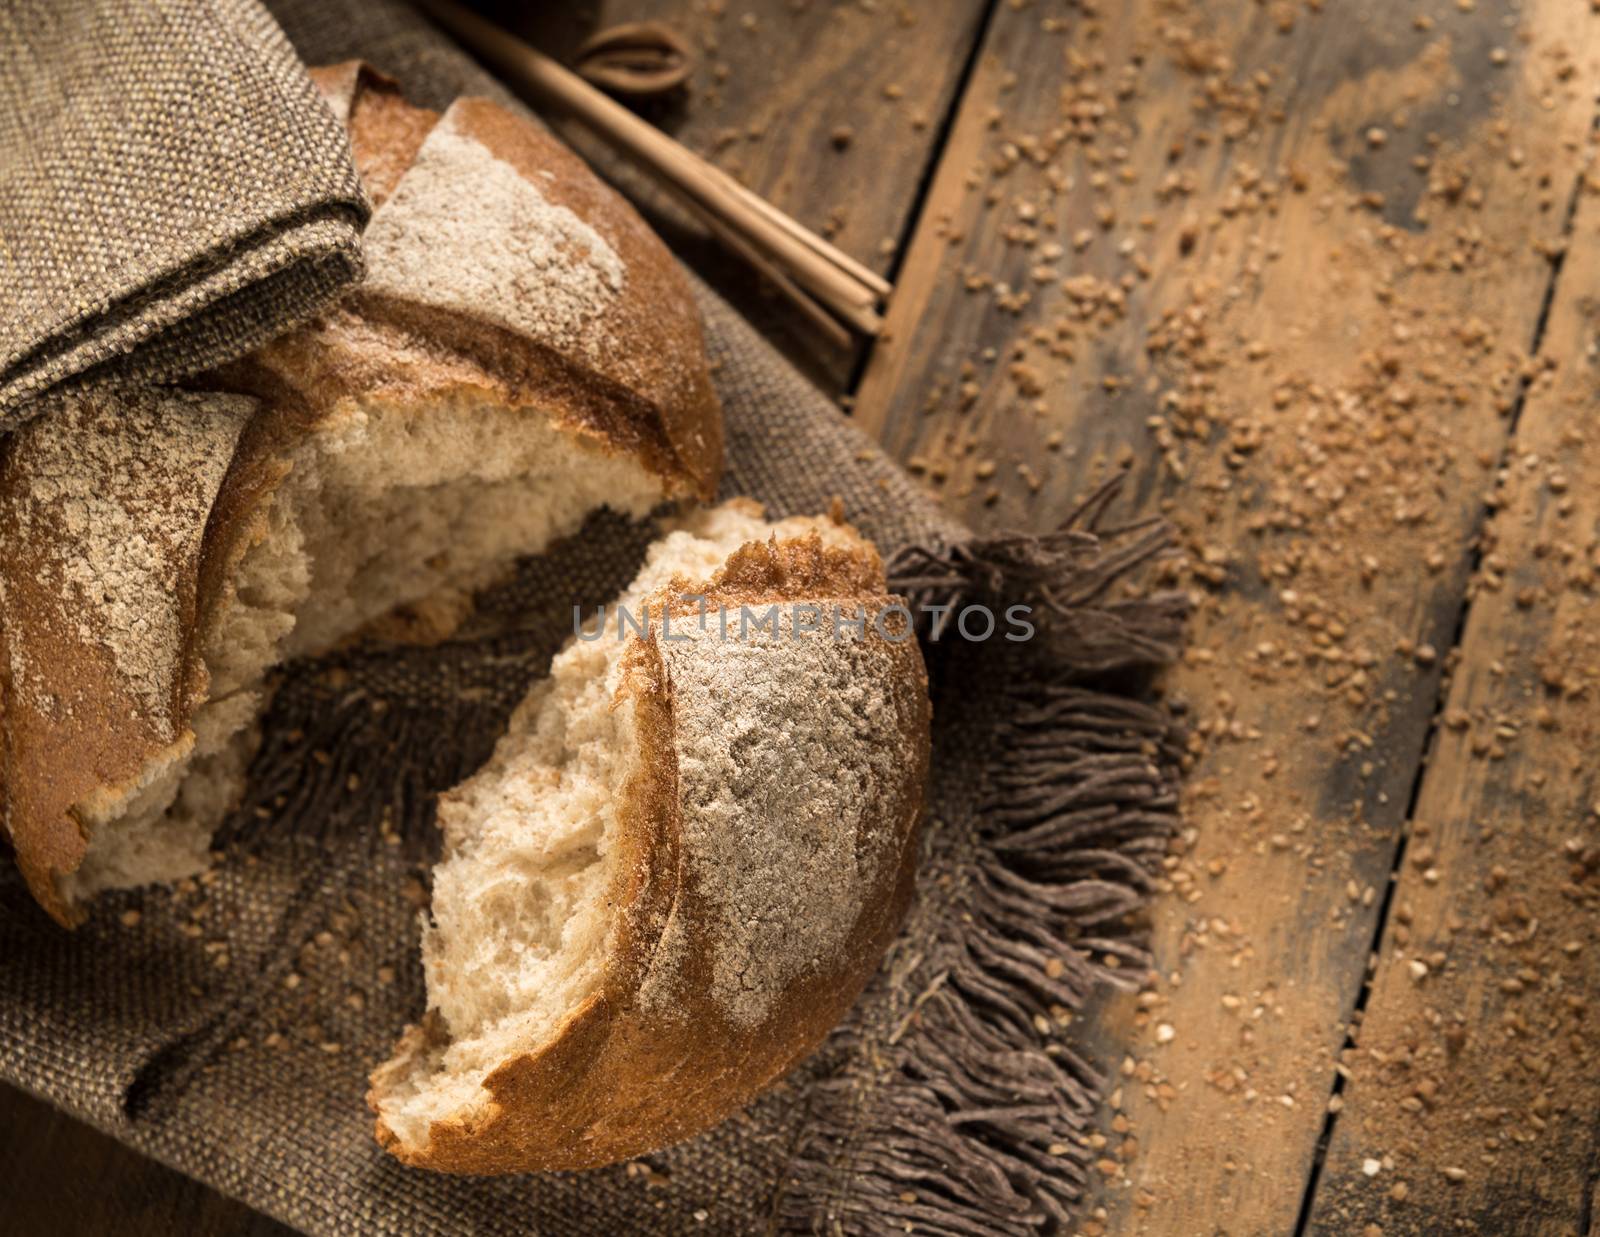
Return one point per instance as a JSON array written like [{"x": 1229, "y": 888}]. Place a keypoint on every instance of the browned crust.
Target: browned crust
[
  {"x": 795, "y": 567},
  {"x": 77, "y": 734},
  {"x": 385, "y": 131},
  {"x": 619, "y": 1079}
]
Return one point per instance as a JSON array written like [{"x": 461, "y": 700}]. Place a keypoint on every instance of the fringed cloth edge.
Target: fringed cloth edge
[{"x": 959, "y": 1111}]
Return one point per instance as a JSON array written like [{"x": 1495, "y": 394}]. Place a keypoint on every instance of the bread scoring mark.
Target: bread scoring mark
[
  {"x": 119, "y": 488},
  {"x": 465, "y": 231}
]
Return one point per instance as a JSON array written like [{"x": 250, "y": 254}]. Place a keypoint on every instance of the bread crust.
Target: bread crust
[
  {"x": 623, "y": 1076},
  {"x": 88, "y": 701},
  {"x": 70, "y": 734}
]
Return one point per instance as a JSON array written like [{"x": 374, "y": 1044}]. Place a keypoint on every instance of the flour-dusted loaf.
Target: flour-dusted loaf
[
  {"x": 523, "y": 352},
  {"x": 681, "y": 865}
]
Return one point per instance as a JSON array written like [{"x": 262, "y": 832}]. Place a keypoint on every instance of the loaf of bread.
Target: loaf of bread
[
  {"x": 523, "y": 352},
  {"x": 681, "y": 865}
]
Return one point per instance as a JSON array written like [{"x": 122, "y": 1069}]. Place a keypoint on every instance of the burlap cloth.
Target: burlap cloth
[
  {"x": 227, "y": 1027},
  {"x": 172, "y": 190}
]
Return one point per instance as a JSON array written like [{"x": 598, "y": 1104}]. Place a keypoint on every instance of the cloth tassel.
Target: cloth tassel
[{"x": 970, "y": 1116}]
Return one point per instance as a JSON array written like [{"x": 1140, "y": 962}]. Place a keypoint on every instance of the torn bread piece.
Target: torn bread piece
[
  {"x": 162, "y": 551},
  {"x": 680, "y": 867}
]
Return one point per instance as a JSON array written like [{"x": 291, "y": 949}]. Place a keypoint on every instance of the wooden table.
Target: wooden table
[{"x": 1325, "y": 274}]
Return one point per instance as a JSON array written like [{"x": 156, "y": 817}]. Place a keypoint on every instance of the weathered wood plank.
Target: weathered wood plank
[
  {"x": 1479, "y": 1057},
  {"x": 60, "y": 1176},
  {"x": 1289, "y": 265},
  {"x": 831, "y": 111}
]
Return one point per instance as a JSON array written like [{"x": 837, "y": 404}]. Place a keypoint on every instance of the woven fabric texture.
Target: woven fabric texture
[
  {"x": 173, "y": 191},
  {"x": 227, "y": 1027}
]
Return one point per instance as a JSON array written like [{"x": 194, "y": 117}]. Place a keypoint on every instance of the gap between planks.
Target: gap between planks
[
  {"x": 1441, "y": 693},
  {"x": 923, "y": 193}
]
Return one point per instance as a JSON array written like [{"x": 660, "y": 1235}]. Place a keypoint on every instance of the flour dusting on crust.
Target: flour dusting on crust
[
  {"x": 465, "y": 231},
  {"x": 788, "y": 743},
  {"x": 114, "y": 511}
]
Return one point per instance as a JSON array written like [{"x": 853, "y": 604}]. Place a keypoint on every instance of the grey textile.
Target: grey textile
[{"x": 173, "y": 191}]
